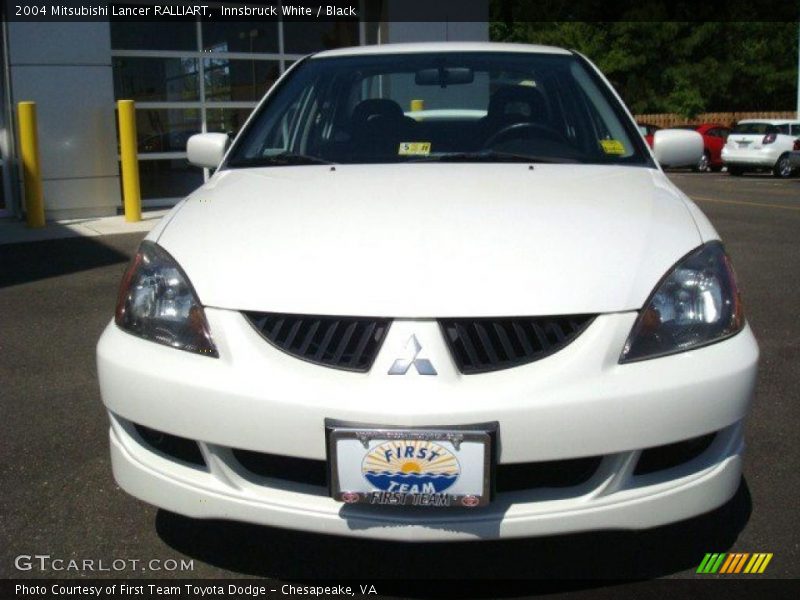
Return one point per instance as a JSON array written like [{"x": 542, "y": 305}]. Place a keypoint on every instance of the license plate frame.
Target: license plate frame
[{"x": 462, "y": 441}]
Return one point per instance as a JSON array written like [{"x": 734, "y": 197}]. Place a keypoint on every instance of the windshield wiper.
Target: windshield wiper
[
  {"x": 283, "y": 159},
  {"x": 490, "y": 156}
]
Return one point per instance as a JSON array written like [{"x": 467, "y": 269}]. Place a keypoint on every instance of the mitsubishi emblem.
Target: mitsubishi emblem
[{"x": 409, "y": 359}]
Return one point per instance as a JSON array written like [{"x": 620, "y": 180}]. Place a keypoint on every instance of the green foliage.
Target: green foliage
[{"x": 681, "y": 67}]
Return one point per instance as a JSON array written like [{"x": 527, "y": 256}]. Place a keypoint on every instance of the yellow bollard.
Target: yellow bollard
[
  {"x": 31, "y": 168},
  {"x": 131, "y": 195}
]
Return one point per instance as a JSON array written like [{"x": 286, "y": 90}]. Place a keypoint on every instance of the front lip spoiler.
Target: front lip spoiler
[{"x": 630, "y": 509}]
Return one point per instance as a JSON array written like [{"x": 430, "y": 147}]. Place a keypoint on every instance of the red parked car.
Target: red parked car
[
  {"x": 647, "y": 130},
  {"x": 714, "y": 138}
]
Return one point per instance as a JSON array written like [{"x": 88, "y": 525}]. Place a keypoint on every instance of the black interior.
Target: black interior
[{"x": 377, "y": 126}]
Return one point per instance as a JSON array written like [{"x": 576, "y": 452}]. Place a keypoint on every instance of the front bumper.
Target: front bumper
[{"x": 577, "y": 403}]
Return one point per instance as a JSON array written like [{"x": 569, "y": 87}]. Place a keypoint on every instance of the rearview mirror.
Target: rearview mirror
[
  {"x": 207, "y": 149},
  {"x": 677, "y": 147},
  {"x": 444, "y": 76}
]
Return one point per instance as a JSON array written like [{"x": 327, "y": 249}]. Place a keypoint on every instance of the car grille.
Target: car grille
[
  {"x": 509, "y": 478},
  {"x": 180, "y": 448},
  {"x": 349, "y": 343},
  {"x": 549, "y": 474},
  {"x": 288, "y": 468},
  {"x": 482, "y": 345},
  {"x": 660, "y": 458}
]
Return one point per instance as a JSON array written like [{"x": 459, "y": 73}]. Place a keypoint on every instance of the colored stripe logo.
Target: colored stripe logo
[{"x": 734, "y": 563}]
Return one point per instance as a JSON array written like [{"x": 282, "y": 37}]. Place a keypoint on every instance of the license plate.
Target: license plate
[{"x": 434, "y": 467}]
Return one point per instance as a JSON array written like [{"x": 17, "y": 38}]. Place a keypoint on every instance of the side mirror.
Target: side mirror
[
  {"x": 207, "y": 149},
  {"x": 677, "y": 147}
]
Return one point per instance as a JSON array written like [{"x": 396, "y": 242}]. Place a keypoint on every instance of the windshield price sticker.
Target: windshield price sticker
[
  {"x": 612, "y": 146},
  {"x": 414, "y": 149}
]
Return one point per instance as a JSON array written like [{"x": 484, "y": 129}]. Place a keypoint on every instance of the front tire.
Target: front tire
[{"x": 783, "y": 168}]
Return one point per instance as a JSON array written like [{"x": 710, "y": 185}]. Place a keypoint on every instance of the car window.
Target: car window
[
  {"x": 754, "y": 128},
  {"x": 795, "y": 130},
  {"x": 446, "y": 106}
]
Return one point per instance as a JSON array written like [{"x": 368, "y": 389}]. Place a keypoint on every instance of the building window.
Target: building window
[
  {"x": 241, "y": 37},
  {"x": 238, "y": 80},
  {"x": 189, "y": 77},
  {"x": 156, "y": 79},
  {"x": 226, "y": 120},
  {"x": 147, "y": 35},
  {"x": 166, "y": 129},
  {"x": 306, "y": 37},
  {"x": 168, "y": 178}
]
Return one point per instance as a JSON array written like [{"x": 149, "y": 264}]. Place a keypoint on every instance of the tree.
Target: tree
[{"x": 673, "y": 66}]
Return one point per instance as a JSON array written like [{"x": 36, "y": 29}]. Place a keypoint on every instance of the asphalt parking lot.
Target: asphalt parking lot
[{"x": 58, "y": 496}]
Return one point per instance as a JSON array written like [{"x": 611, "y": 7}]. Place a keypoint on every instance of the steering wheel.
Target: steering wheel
[{"x": 518, "y": 130}]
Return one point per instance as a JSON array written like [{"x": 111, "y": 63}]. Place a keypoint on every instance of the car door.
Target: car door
[{"x": 715, "y": 139}]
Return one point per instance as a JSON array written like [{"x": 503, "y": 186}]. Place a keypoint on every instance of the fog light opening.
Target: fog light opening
[{"x": 173, "y": 446}]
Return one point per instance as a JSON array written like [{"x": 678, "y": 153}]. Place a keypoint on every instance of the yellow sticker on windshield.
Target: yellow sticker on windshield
[
  {"x": 612, "y": 146},
  {"x": 414, "y": 149}
]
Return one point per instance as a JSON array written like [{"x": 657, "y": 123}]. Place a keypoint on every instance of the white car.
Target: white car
[
  {"x": 757, "y": 144},
  {"x": 507, "y": 324}
]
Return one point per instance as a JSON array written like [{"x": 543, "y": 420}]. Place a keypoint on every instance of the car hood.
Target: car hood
[{"x": 431, "y": 240}]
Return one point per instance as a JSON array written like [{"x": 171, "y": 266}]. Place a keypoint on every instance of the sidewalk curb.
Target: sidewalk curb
[{"x": 13, "y": 231}]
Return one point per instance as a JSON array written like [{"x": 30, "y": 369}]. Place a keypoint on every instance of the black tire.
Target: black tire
[
  {"x": 702, "y": 165},
  {"x": 735, "y": 171},
  {"x": 783, "y": 167}
]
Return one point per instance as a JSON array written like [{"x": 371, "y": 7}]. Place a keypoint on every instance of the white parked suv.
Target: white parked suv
[
  {"x": 758, "y": 144},
  {"x": 498, "y": 319}
]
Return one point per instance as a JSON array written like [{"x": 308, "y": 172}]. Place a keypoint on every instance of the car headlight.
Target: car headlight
[
  {"x": 697, "y": 303},
  {"x": 157, "y": 302}
]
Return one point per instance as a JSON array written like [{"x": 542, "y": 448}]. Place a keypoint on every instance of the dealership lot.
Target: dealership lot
[{"x": 59, "y": 498}]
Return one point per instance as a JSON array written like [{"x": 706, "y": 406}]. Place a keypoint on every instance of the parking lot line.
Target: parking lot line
[{"x": 745, "y": 203}]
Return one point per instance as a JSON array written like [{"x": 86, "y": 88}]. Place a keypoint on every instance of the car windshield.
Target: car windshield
[{"x": 454, "y": 107}]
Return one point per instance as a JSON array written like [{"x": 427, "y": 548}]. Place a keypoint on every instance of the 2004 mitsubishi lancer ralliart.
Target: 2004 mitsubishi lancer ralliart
[{"x": 432, "y": 292}]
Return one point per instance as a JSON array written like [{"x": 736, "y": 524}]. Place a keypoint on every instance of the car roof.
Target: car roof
[
  {"x": 433, "y": 47},
  {"x": 771, "y": 121}
]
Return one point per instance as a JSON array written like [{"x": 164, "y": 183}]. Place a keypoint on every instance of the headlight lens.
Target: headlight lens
[
  {"x": 157, "y": 302},
  {"x": 696, "y": 304}
]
